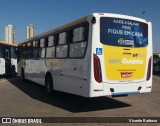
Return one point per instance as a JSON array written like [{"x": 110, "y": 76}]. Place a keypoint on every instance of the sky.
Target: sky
[{"x": 49, "y": 14}]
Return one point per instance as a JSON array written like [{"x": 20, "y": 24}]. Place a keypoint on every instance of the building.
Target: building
[
  {"x": 10, "y": 34},
  {"x": 30, "y": 31}
]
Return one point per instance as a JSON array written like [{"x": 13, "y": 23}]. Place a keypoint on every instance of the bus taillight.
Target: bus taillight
[
  {"x": 97, "y": 69},
  {"x": 149, "y": 69}
]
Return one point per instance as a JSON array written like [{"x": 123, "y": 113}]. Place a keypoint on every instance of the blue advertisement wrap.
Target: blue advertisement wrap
[{"x": 123, "y": 32}]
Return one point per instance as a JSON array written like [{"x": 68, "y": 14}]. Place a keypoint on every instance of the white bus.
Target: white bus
[
  {"x": 97, "y": 55},
  {"x": 8, "y": 59}
]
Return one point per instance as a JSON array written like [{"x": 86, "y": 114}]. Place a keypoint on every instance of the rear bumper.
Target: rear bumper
[{"x": 120, "y": 89}]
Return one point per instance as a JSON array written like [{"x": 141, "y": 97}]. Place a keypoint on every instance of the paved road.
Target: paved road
[{"x": 19, "y": 99}]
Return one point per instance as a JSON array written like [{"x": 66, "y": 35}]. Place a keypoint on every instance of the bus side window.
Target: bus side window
[
  {"x": 42, "y": 48},
  {"x": 27, "y": 51},
  {"x": 78, "y": 43},
  {"x": 62, "y": 38},
  {"x": 13, "y": 52},
  {"x": 51, "y": 41},
  {"x": 30, "y": 49},
  {"x": 23, "y": 50},
  {"x": 50, "y": 50},
  {"x": 62, "y": 47},
  {"x": 78, "y": 34},
  {"x": 42, "y": 43},
  {"x": 35, "y": 52}
]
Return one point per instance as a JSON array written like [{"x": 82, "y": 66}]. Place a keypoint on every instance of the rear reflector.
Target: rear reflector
[
  {"x": 97, "y": 69},
  {"x": 96, "y": 90},
  {"x": 149, "y": 69}
]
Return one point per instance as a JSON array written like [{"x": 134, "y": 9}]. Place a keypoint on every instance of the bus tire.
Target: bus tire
[{"x": 49, "y": 84}]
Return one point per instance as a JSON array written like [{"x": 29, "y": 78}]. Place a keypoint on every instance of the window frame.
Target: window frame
[
  {"x": 35, "y": 46},
  {"x": 40, "y": 48},
  {"x": 67, "y": 31},
  {"x": 44, "y": 42},
  {"x": 54, "y": 40},
  {"x": 54, "y": 45},
  {"x": 86, "y": 37}
]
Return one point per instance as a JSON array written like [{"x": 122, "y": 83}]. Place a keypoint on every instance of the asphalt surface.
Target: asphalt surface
[{"x": 19, "y": 99}]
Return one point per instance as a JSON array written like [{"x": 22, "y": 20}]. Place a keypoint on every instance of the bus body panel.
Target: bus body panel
[
  {"x": 120, "y": 89},
  {"x": 66, "y": 74},
  {"x": 124, "y": 69},
  {"x": 34, "y": 72},
  {"x": 2, "y": 66}
]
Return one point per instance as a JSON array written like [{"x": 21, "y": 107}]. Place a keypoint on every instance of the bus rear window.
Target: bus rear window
[{"x": 123, "y": 32}]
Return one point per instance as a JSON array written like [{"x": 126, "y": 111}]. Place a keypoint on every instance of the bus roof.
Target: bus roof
[
  {"x": 76, "y": 22},
  {"x": 6, "y": 43}
]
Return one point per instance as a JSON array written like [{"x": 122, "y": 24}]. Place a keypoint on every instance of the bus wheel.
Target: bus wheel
[{"x": 49, "y": 84}]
